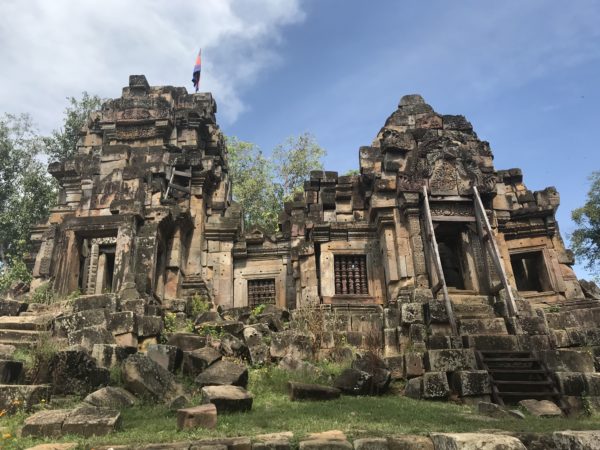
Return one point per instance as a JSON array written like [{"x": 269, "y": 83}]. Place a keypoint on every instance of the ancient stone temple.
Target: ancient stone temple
[
  {"x": 146, "y": 205},
  {"x": 430, "y": 246}
]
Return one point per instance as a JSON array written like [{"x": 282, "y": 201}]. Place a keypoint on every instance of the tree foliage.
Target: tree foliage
[
  {"x": 62, "y": 144},
  {"x": 262, "y": 184},
  {"x": 585, "y": 240},
  {"x": 26, "y": 191}
]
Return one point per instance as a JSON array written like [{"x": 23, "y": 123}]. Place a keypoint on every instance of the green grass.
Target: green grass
[{"x": 272, "y": 411}]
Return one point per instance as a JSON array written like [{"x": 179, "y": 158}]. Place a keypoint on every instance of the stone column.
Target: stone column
[
  {"x": 92, "y": 269},
  {"x": 123, "y": 253},
  {"x": 194, "y": 264},
  {"x": 100, "y": 274}
]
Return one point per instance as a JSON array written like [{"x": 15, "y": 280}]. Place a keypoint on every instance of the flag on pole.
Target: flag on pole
[{"x": 197, "y": 67}]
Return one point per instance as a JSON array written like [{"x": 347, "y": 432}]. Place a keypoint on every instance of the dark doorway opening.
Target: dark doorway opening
[
  {"x": 109, "y": 252},
  {"x": 452, "y": 257},
  {"x": 530, "y": 271}
]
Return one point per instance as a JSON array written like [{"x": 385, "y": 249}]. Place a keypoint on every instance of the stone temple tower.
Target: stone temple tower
[{"x": 145, "y": 196}]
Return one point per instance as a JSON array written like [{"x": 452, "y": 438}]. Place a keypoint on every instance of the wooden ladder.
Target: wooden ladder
[
  {"x": 437, "y": 263},
  {"x": 179, "y": 173},
  {"x": 491, "y": 249},
  {"x": 518, "y": 375}
]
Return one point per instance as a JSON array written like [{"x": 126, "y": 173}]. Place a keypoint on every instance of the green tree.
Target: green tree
[
  {"x": 293, "y": 160},
  {"x": 262, "y": 184},
  {"x": 585, "y": 240},
  {"x": 62, "y": 144},
  {"x": 26, "y": 191}
]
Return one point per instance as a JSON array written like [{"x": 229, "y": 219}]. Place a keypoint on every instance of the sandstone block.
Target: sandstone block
[
  {"x": 396, "y": 366},
  {"x": 492, "y": 410},
  {"x": 46, "y": 423},
  {"x": 412, "y": 313},
  {"x": 111, "y": 397},
  {"x": 223, "y": 373},
  {"x": 88, "y": 337},
  {"x": 571, "y": 383},
  {"x": 475, "y": 441},
  {"x": 410, "y": 442},
  {"x": 450, "y": 360},
  {"x": 91, "y": 421},
  {"x": 10, "y": 371},
  {"x": 203, "y": 416},
  {"x": 110, "y": 355},
  {"x": 567, "y": 360},
  {"x": 592, "y": 384},
  {"x": 471, "y": 382},
  {"x": 541, "y": 408},
  {"x": 227, "y": 398},
  {"x": 354, "y": 382},
  {"x": 414, "y": 388},
  {"x": 106, "y": 302},
  {"x": 413, "y": 365},
  {"x": 293, "y": 343},
  {"x": 122, "y": 322},
  {"x": 303, "y": 391},
  {"x": 149, "y": 325},
  {"x": 144, "y": 377},
  {"x": 74, "y": 372},
  {"x": 576, "y": 440},
  {"x": 435, "y": 385},
  {"x": 198, "y": 360},
  {"x": 167, "y": 356},
  {"x": 371, "y": 444}
]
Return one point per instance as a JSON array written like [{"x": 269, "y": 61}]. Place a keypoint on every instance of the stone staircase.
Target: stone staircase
[
  {"x": 518, "y": 375},
  {"x": 23, "y": 330}
]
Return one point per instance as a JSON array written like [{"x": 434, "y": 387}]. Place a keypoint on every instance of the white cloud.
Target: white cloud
[{"x": 54, "y": 49}]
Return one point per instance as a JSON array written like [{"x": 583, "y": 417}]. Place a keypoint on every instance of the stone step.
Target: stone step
[
  {"x": 482, "y": 326},
  {"x": 461, "y": 299},
  {"x": 491, "y": 342},
  {"x": 10, "y": 336},
  {"x": 472, "y": 311},
  {"x": 24, "y": 323}
]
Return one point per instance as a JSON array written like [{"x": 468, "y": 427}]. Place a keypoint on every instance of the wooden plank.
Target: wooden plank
[
  {"x": 483, "y": 222},
  {"x": 438, "y": 263},
  {"x": 180, "y": 188}
]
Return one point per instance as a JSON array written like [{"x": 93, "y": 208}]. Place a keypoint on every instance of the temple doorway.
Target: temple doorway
[{"x": 453, "y": 239}]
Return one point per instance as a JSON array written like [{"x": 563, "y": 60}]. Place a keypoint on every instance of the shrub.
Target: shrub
[
  {"x": 199, "y": 304},
  {"x": 15, "y": 272},
  {"x": 43, "y": 294}
]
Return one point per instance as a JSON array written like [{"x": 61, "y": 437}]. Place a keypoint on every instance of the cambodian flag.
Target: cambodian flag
[{"x": 197, "y": 67}]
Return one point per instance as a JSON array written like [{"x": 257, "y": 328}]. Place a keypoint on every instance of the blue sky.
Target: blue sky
[{"x": 525, "y": 73}]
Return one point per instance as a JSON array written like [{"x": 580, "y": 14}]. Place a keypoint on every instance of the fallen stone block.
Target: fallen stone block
[
  {"x": 492, "y": 410},
  {"x": 435, "y": 385},
  {"x": 149, "y": 325},
  {"x": 122, "y": 322},
  {"x": 187, "y": 341},
  {"x": 75, "y": 372},
  {"x": 273, "y": 441},
  {"x": 20, "y": 396},
  {"x": 576, "y": 440},
  {"x": 11, "y": 307},
  {"x": 88, "y": 337},
  {"x": 10, "y": 371},
  {"x": 227, "y": 398},
  {"x": 475, "y": 441},
  {"x": 541, "y": 408},
  {"x": 238, "y": 443},
  {"x": 111, "y": 397},
  {"x": 592, "y": 384},
  {"x": 144, "y": 377},
  {"x": 223, "y": 373},
  {"x": 46, "y": 423},
  {"x": 110, "y": 355},
  {"x": 371, "y": 444},
  {"x": 65, "y": 325},
  {"x": 91, "y": 421},
  {"x": 396, "y": 366},
  {"x": 410, "y": 442},
  {"x": 303, "y": 391},
  {"x": 198, "y": 360},
  {"x": 203, "y": 416},
  {"x": 354, "y": 382},
  {"x": 57, "y": 446},
  {"x": 167, "y": 356}
]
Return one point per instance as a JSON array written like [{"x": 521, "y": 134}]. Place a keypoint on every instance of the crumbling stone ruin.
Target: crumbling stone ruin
[{"x": 452, "y": 268}]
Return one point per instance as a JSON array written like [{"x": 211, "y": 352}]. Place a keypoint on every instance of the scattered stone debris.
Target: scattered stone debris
[
  {"x": 85, "y": 421},
  {"x": 541, "y": 408},
  {"x": 228, "y": 398},
  {"x": 203, "y": 416},
  {"x": 303, "y": 391}
]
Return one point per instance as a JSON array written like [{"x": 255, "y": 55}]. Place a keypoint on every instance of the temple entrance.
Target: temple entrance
[
  {"x": 452, "y": 239},
  {"x": 97, "y": 265},
  {"x": 530, "y": 272}
]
